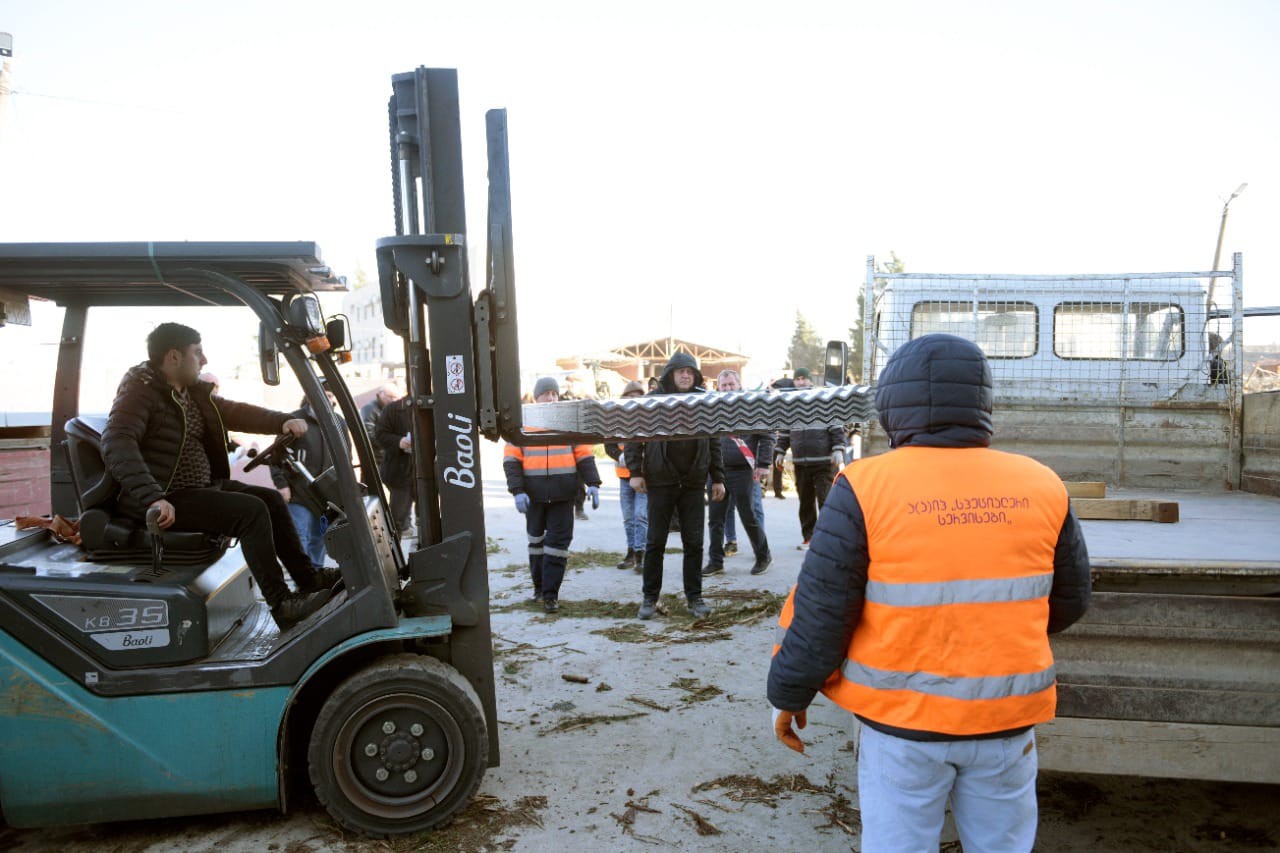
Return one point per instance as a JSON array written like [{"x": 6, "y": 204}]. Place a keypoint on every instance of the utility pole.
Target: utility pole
[
  {"x": 6, "y": 71},
  {"x": 1222, "y": 229}
]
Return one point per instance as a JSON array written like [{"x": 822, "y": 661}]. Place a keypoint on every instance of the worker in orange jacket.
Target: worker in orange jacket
[
  {"x": 544, "y": 481},
  {"x": 935, "y": 575}
]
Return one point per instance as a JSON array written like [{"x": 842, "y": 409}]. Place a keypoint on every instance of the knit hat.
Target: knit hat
[
  {"x": 635, "y": 388},
  {"x": 802, "y": 373},
  {"x": 545, "y": 384}
]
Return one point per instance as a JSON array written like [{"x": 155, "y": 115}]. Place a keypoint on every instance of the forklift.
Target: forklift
[{"x": 141, "y": 676}]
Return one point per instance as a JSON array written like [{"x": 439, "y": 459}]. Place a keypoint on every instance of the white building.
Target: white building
[{"x": 376, "y": 352}]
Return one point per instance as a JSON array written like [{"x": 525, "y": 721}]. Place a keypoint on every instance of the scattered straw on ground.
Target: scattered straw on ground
[
  {"x": 570, "y": 724},
  {"x": 701, "y": 825},
  {"x": 838, "y": 810},
  {"x": 591, "y": 559},
  {"x": 695, "y": 691},
  {"x": 754, "y": 789}
]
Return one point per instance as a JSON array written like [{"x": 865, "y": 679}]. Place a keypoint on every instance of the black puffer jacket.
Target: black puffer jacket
[
  {"x": 394, "y": 424},
  {"x": 935, "y": 392},
  {"x": 147, "y": 426},
  {"x": 652, "y": 459}
]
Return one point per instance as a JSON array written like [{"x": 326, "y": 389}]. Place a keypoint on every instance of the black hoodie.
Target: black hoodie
[{"x": 677, "y": 462}]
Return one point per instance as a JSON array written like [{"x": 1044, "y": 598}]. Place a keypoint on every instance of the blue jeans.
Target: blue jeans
[
  {"x": 311, "y": 528},
  {"x": 635, "y": 515},
  {"x": 903, "y": 787},
  {"x": 757, "y": 506}
]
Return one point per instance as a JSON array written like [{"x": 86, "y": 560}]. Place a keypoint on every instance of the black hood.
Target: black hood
[
  {"x": 936, "y": 392},
  {"x": 667, "y": 384}
]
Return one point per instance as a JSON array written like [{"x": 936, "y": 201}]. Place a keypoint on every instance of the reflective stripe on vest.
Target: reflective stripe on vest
[
  {"x": 960, "y": 592},
  {"x": 547, "y": 461},
  {"x": 952, "y": 637}
]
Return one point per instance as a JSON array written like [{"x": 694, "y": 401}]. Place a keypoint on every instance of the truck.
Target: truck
[
  {"x": 1135, "y": 381},
  {"x": 141, "y": 673}
]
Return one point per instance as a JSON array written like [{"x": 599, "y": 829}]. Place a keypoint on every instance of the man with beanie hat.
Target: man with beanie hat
[
  {"x": 635, "y": 506},
  {"x": 937, "y": 572},
  {"x": 673, "y": 473},
  {"x": 544, "y": 481},
  {"x": 816, "y": 454}
]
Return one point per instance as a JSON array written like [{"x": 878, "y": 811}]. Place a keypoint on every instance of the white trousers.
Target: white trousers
[{"x": 904, "y": 785}]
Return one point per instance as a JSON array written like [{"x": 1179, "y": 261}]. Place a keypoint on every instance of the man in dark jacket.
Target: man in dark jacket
[
  {"x": 673, "y": 473},
  {"x": 313, "y": 454},
  {"x": 544, "y": 482},
  {"x": 166, "y": 445},
  {"x": 391, "y": 437},
  {"x": 816, "y": 454},
  {"x": 746, "y": 461},
  {"x": 936, "y": 574},
  {"x": 372, "y": 410}
]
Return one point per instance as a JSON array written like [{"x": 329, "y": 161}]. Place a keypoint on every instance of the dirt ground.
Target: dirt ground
[{"x": 662, "y": 738}]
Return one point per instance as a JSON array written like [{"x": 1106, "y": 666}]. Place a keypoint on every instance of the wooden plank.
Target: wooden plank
[
  {"x": 1077, "y": 489},
  {"x": 1169, "y": 750},
  {"x": 1120, "y": 509}
]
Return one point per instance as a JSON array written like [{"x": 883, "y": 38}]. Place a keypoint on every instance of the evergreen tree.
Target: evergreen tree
[{"x": 807, "y": 349}]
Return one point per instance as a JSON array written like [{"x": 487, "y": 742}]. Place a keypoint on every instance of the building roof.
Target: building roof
[{"x": 661, "y": 349}]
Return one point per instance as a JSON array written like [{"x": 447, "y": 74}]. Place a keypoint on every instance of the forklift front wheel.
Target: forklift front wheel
[{"x": 399, "y": 747}]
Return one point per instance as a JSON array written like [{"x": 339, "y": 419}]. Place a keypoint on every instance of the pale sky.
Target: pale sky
[{"x": 716, "y": 166}]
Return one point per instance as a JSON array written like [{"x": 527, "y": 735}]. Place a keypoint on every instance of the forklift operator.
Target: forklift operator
[{"x": 166, "y": 445}]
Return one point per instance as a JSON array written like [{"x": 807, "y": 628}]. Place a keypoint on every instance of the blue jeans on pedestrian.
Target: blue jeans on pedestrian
[
  {"x": 904, "y": 785},
  {"x": 635, "y": 515},
  {"x": 757, "y": 506},
  {"x": 311, "y": 528}
]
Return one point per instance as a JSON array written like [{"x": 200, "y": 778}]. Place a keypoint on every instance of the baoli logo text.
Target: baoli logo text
[{"x": 464, "y": 474}]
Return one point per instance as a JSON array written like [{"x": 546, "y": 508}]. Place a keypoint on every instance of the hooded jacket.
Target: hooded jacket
[
  {"x": 656, "y": 462},
  {"x": 147, "y": 426},
  {"x": 934, "y": 393}
]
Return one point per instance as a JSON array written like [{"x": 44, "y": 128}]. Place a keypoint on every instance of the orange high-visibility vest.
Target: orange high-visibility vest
[
  {"x": 549, "y": 460},
  {"x": 953, "y": 633}
]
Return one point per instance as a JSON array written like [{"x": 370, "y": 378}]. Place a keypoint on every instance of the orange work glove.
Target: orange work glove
[{"x": 782, "y": 727}]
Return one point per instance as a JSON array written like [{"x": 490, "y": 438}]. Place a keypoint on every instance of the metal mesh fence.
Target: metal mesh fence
[{"x": 1138, "y": 337}]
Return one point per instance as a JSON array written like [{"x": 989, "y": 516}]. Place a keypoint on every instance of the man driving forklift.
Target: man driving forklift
[{"x": 166, "y": 426}]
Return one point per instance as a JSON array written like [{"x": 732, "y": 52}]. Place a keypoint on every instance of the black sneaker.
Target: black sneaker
[
  {"x": 762, "y": 564},
  {"x": 647, "y": 608},
  {"x": 628, "y": 561},
  {"x": 537, "y": 594},
  {"x": 730, "y": 548},
  {"x": 712, "y": 569},
  {"x": 296, "y": 606},
  {"x": 551, "y": 605},
  {"x": 326, "y": 579},
  {"x": 699, "y": 608}
]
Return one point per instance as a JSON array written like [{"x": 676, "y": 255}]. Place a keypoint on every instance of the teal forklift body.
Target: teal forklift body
[{"x": 72, "y": 757}]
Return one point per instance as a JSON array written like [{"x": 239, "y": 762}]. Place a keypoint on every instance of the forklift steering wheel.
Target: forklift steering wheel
[{"x": 277, "y": 447}]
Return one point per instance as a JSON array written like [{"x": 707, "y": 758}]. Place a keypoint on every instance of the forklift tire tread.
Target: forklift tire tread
[{"x": 398, "y": 747}]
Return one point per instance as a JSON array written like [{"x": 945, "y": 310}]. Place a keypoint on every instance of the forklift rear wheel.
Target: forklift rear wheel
[{"x": 399, "y": 747}]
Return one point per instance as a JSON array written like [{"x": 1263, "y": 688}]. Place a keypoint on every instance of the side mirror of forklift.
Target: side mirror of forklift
[
  {"x": 336, "y": 331},
  {"x": 268, "y": 357},
  {"x": 835, "y": 364}
]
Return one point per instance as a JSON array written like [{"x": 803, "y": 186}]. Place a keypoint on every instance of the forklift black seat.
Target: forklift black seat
[{"x": 106, "y": 535}]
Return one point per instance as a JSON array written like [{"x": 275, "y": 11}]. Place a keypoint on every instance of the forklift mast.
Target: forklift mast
[{"x": 463, "y": 365}]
